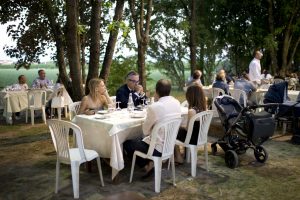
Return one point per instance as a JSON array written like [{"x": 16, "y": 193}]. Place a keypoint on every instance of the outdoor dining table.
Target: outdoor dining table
[
  {"x": 17, "y": 101},
  {"x": 107, "y": 134}
]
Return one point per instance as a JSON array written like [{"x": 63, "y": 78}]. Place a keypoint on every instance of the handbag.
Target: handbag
[{"x": 58, "y": 102}]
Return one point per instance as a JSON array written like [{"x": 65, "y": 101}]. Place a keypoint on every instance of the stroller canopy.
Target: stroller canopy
[{"x": 277, "y": 93}]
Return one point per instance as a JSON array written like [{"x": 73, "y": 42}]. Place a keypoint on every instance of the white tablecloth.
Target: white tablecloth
[
  {"x": 106, "y": 136},
  {"x": 16, "y": 101}
]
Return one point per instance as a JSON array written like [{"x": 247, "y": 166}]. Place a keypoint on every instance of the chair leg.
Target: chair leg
[
  {"x": 57, "y": 176},
  {"x": 100, "y": 171},
  {"x": 206, "y": 156},
  {"x": 194, "y": 160},
  {"x": 75, "y": 179},
  {"x": 173, "y": 169},
  {"x": 44, "y": 115},
  {"x": 32, "y": 116},
  {"x": 59, "y": 113},
  {"x": 188, "y": 154},
  {"x": 66, "y": 111},
  {"x": 26, "y": 116},
  {"x": 132, "y": 167},
  {"x": 157, "y": 169}
]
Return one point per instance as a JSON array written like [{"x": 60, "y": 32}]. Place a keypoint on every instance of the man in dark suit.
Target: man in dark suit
[{"x": 131, "y": 86}]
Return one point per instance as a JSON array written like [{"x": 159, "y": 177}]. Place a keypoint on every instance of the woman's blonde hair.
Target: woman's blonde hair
[{"x": 93, "y": 83}]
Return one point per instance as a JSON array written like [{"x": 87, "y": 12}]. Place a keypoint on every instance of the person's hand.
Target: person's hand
[
  {"x": 139, "y": 89},
  {"x": 89, "y": 112}
]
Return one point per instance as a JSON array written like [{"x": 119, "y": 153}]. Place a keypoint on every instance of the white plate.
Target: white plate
[
  {"x": 99, "y": 117},
  {"x": 102, "y": 112}
]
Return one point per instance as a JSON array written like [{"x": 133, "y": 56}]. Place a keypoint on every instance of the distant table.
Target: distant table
[{"x": 17, "y": 101}]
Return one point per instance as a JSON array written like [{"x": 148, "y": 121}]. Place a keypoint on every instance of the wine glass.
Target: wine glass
[{"x": 118, "y": 106}]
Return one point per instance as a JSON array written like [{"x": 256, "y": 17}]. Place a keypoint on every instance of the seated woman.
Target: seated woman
[
  {"x": 97, "y": 99},
  {"x": 197, "y": 103},
  {"x": 220, "y": 83}
]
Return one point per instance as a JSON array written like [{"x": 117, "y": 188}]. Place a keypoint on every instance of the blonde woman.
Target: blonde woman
[{"x": 97, "y": 99}]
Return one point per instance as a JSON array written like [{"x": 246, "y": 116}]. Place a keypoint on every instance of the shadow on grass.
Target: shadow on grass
[{"x": 6, "y": 142}]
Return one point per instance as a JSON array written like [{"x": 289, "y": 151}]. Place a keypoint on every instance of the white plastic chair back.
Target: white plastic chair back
[
  {"x": 36, "y": 99},
  {"x": 185, "y": 104},
  {"x": 74, "y": 109},
  {"x": 217, "y": 92},
  {"x": 238, "y": 94},
  {"x": 60, "y": 136},
  {"x": 169, "y": 126},
  {"x": 204, "y": 119}
]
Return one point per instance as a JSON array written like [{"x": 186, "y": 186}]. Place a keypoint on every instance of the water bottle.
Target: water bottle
[{"x": 130, "y": 105}]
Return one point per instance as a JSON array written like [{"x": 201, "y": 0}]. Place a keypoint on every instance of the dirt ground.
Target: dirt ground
[{"x": 27, "y": 171}]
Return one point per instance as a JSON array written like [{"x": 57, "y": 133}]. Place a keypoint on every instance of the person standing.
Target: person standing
[
  {"x": 41, "y": 81},
  {"x": 196, "y": 78},
  {"x": 255, "y": 68},
  {"x": 131, "y": 86}
]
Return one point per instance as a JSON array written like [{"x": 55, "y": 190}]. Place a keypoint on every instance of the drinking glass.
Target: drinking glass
[
  {"x": 111, "y": 107},
  {"x": 118, "y": 106}
]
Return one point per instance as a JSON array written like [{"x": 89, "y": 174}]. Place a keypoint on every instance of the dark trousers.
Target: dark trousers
[{"x": 138, "y": 145}]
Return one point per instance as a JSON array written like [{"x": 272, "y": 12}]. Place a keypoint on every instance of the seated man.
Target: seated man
[
  {"x": 196, "y": 78},
  {"x": 221, "y": 83},
  {"x": 21, "y": 85},
  {"x": 246, "y": 85},
  {"x": 131, "y": 86},
  {"x": 41, "y": 81},
  {"x": 165, "y": 105}
]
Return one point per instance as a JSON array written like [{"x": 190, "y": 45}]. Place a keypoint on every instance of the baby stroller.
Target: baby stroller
[{"x": 244, "y": 129}]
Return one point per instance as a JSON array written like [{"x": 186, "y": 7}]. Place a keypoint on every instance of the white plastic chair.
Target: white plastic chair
[
  {"x": 36, "y": 101},
  {"x": 59, "y": 93},
  {"x": 73, "y": 156},
  {"x": 184, "y": 104},
  {"x": 215, "y": 93},
  {"x": 204, "y": 119},
  {"x": 170, "y": 126},
  {"x": 73, "y": 109},
  {"x": 237, "y": 94}
]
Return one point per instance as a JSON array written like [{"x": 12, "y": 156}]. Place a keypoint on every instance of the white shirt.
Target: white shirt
[
  {"x": 156, "y": 112},
  {"x": 255, "y": 70},
  {"x": 267, "y": 77}
]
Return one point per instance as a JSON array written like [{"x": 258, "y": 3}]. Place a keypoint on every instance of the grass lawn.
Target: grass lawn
[{"x": 27, "y": 171}]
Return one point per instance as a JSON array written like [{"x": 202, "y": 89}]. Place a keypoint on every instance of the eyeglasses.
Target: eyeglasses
[{"x": 134, "y": 81}]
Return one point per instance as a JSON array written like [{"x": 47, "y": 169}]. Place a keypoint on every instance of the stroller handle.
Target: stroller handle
[{"x": 260, "y": 106}]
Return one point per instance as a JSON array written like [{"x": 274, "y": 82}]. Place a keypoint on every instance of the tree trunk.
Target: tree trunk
[
  {"x": 110, "y": 48},
  {"x": 95, "y": 42},
  {"x": 142, "y": 34},
  {"x": 141, "y": 64},
  {"x": 60, "y": 46},
  {"x": 193, "y": 58},
  {"x": 82, "y": 50},
  {"x": 273, "y": 53},
  {"x": 72, "y": 48}
]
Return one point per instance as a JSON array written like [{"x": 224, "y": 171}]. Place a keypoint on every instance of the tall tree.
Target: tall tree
[
  {"x": 73, "y": 50},
  {"x": 113, "y": 35},
  {"x": 141, "y": 21},
  {"x": 95, "y": 42}
]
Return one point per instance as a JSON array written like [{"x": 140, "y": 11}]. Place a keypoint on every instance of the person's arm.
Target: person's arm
[
  {"x": 191, "y": 113},
  {"x": 108, "y": 99},
  {"x": 84, "y": 107},
  {"x": 35, "y": 83},
  {"x": 122, "y": 98}
]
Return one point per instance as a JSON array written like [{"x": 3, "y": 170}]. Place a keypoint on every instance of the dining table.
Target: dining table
[
  {"x": 12, "y": 101},
  {"x": 105, "y": 132}
]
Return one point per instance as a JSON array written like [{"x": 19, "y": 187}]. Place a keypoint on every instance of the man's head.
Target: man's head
[
  {"x": 257, "y": 54},
  {"x": 163, "y": 88},
  {"x": 22, "y": 79},
  {"x": 42, "y": 74},
  {"x": 222, "y": 74},
  {"x": 197, "y": 74},
  {"x": 132, "y": 79}
]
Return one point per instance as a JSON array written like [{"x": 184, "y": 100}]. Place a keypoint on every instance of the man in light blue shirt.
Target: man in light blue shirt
[{"x": 41, "y": 81}]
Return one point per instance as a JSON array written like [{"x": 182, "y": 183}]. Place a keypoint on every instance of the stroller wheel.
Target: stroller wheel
[
  {"x": 214, "y": 149},
  {"x": 231, "y": 159},
  {"x": 261, "y": 154}
]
